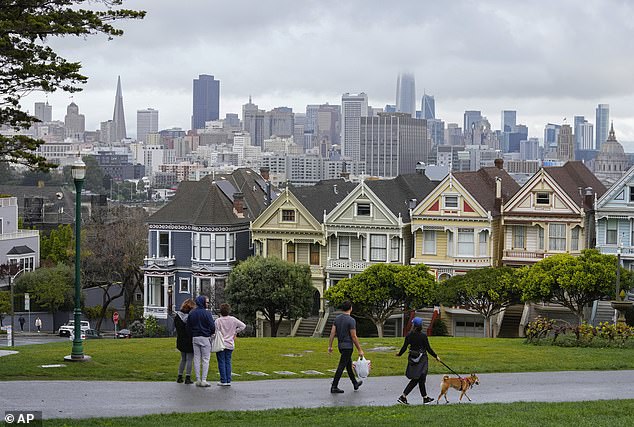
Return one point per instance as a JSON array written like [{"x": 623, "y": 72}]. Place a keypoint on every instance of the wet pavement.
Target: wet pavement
[{"x": 83, "y": 399}]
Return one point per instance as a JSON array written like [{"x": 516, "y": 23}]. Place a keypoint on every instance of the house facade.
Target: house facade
[
  {"x": 17, "y": 246},
  {"x": 195, "y": 240}
]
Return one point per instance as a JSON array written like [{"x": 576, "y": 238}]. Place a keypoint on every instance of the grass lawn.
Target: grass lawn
[
  {"x": 157, "y": 359},
  {"x": 597, "y": 413}
]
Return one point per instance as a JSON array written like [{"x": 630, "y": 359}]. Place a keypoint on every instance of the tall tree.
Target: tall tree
[
  {"x": 572, "y": 282},
  {"x": 382, "y": 290},
  {"x": 51, "y": 288},
  {"x": 28, "y": 63},
  {"x": 485, "y": 290},
  {"x": 278, "y": 289},
  {"x": 5, "y": 305},
  {"x": 59, "y": 245},
  {"x": 114, "y": 243}
]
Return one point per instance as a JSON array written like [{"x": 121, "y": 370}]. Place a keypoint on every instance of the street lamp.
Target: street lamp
[
  {"x": 12, "y": 278},
  {"x": 78, "y": 171}
]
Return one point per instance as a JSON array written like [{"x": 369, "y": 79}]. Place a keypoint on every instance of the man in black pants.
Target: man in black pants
[{"x": 345, "y": 328}]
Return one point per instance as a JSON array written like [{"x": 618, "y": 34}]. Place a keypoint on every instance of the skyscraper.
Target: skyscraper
[
  {"x": 146, "y": 122},
  {"x": 118, "y": 116},
  {"x": 471, "y": 117},
  {"x": 586, "y": 136},
  {"x": 509, "y": 120},
  {"x": 253, "y": 123},
  {"x": 565, "y": 144},
  {"x": 74, "y": 123},
  {"x": 406, "y": 94},
  {"x": 353, "y": 107},
  {"x": 551, "y": 136},
  {"x": 43, "y": 111},
  {"x": 602, "y": 124},
  {"x": 206, "y": 104},
  {"x": 428, "y": 107}
]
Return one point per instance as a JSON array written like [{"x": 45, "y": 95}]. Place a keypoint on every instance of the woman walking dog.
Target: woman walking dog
[{"x": 416, "y": 361}]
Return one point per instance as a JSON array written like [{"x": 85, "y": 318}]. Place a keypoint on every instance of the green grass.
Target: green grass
[
  {"x": 157, "y": 359},
  {"x": 579, "y": 414}
]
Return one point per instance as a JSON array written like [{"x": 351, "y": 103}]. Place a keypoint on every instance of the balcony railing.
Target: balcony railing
[
  {"x": 348, "y": 265},
  {"x": 472, "y": 261},
  {"x": 20, "y": 234},
  {"x": 158, "y": 312},
  {"x": 524, "y": 255},
  {"x": 160, "y": 262}
]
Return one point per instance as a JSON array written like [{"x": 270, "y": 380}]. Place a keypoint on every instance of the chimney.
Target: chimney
[
  {"x": 412, "y": 203},
  {"x": 498, "y": 187},
  {"x": 264, "y": 173},
  {"x": 588, "y": 198},
  {"x": 238, "y": 203},
  {"x": 334, "y": 188},
  {"x": 499, "y": 163}
]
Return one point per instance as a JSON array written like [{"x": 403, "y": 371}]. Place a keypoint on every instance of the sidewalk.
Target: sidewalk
[{"x": 84, "y": 399}]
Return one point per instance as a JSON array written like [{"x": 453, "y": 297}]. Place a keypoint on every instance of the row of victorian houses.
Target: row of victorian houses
[{"x": 467, "y": 220}]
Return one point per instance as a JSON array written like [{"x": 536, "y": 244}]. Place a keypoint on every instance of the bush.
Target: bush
[
  {"x": 153, "y": 329},
  {"x": 546, "y": 331},
  {"x": 137, "y": 328},
  {"x": 439, "y": 328}
]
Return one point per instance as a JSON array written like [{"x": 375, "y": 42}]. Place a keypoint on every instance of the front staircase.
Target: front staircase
[
  {"x": 307, "y": 326},
  {"x": 510, "y": 327}
]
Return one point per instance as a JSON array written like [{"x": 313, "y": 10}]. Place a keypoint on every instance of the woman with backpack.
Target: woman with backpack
[
  {"x": 417, "y": 361},
  {"x": 184, "y": 341}
]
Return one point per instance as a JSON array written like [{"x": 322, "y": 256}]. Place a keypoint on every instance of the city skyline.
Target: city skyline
[{"x": 476, "y": 58}]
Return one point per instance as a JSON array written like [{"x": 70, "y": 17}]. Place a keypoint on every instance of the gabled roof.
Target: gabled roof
[
  {"x": 397, "y": 192},
  {"x": 323, "y": 196},
  {"x": 20, "y": 250},
  {"x": 210, "y": 200},
  {"x": 616, "y": 188},
  {"x": 572, "y": 176},
  {"x": 481, "y": 185}
]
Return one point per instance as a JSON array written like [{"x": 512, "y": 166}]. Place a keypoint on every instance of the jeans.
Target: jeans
[
  {"x": 412, "y": 383},
  {"x": 224, "y": 365},
  {"x": 186, "y": 363},
  {"x": 345, "y": 362},
  {"x": 202, "y": 351}
]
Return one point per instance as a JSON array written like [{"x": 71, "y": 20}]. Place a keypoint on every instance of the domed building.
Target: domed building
[{"x": 611, "y": 162}]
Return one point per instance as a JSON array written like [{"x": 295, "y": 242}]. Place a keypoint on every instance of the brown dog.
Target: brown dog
[{"x": 460, "y": 384}]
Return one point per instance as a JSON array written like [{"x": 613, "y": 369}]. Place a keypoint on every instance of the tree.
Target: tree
[
  {"x": 5, "y": 304},
  {"x": 114, "y": 244},
  {"x": 59, "y": 245},
  {"x": 383, "y": 289},
  {"x": 278, "y": 289},
  {"x": 28, "y": 63},
  {"x": 485, "y": 290},
  {"x": 94, "y": 180},
  {"x": 572, "y": 282},
  {"x": 52, "y": 288}
]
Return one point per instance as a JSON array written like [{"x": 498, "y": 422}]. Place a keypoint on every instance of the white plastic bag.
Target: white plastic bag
[
  {"x": 217, "y": 342},
  {"x": 362, "y": 367}
]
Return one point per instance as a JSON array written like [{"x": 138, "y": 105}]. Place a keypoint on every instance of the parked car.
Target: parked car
[
  {"x": 69, "y": 328},
  {"x": 124, "y": 333},
  {"x": 91, "y": 334}
]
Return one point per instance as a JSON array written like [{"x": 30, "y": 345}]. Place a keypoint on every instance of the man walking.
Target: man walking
[
  {"x": 21, "y": 320},
  {"x": 38, "y": 323},
  {"x": 201, "y": 327},
  {"x": 345, "y": 328}
]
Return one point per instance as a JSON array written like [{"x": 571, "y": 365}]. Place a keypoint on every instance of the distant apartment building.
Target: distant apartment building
[
  {"x": 43, "y": 111},
  {"x": 118, "y": 166},
  {"x": 529, "y": 150},
  {"x": 182, "y": 170},
  {"x": 353, "y": 107}
]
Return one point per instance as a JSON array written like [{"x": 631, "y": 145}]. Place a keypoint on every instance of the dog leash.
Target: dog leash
[{"x": 455, "y": 373}]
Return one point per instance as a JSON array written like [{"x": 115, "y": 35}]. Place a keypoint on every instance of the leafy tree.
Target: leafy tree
[
  {"x": 114, "y": 243},
  {"x": 94, "y": 180},
  {"x": 52, "y": 288},
  {"x": 381, "y": 290},
  {"x": 29, "y": 64},
  {"x": 59, "y": 245},
  {"x": 485, "y": 290},
  {"x": 5, "y": 304},
  {"x": 278, "y": 289},
  {"x": 572, "y": 282}
]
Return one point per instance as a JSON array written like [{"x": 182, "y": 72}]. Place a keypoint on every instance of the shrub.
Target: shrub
[
  {"x": 137, "y": 328},
  {"x": 538, "y": 329},
  {"x": 439, "y": 328},
  {"x": 153, "y": 329}
]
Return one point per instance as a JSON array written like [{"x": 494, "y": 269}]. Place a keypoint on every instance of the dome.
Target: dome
[{"x": 612, "y": 146}]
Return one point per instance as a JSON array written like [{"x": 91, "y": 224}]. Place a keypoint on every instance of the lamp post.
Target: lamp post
[
  {"x": 12, "y": 278},
  {"x": 78, "y": 171},
  {"x": 619, "y": 249}
]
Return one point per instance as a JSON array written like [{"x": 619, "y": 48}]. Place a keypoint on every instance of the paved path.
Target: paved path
[{"x": 83, "y": 399}]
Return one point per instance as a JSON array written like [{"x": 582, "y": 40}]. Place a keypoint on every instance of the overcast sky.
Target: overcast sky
[{"x": 546, "y": 59}]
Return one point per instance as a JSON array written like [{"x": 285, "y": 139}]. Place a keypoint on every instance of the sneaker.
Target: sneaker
[
  {"x": 357, "y": 385},
  {"x": 335, "y": 390},
  {"x": 198, "y": 384},
  {"x": 220, "y": 383},
  {"x": 402, "y": 400},
  {"x": 205, "y": 384},
  {"x": 179, "y": 379},
  {"x": 227, "y": 384},
  {"x": 188, "y": 380},
  {"x": 427, "y": 399}
]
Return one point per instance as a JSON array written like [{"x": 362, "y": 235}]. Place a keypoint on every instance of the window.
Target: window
[
  {"x": 449, "y": 243},
  {"x": 465, "y": 242},
  {"x": 195, "y": 238},
  {"x": 288, "y": 215},
  {"x": 26, "y": 263},
  {"x": 611, "y": 232},
  {"x": 344, "y": 247},
  {"x": 363, "y": 209},
  {"x": 542, "y": 199},
  {"x": 155, "y": 292},
  {"x": 164, "y": 245},
  {"x": 314, "y": 254},
  {"x": 631, "y": 194},
  {"x": 451, "y": 202},
  {"x": 429, "y": 242},
  {"x": 540, "y": 237},
  {"x": 519, "y": 237},
  {"x": 221, "y": 247},
  {"x": 290, "y": 252},
  {"x": 205, "y": 247},
  {"x": 232, "y": 246},
  {"x": 574, "y": 239},
  {"x": 378, "y": 247},
  {"x": 274, "y": 248},
  {"x": 483, "y": 247},
  {"x": 183, "y": 286},
  {"x": 557, "y": 237},
  {"x": 395, "y": 249},
  {"x": 364, "y": 247}
]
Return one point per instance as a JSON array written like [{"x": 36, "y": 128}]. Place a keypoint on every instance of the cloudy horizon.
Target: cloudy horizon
[{"x": 549, "y": 60}]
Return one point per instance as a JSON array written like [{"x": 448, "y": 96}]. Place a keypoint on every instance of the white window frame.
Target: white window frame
[
  {"x": 483, "y": 243},
  {"x": 540, "y": 238},
  {"x": 282, "y": 211},
  {"x": 575, "y": 233},
  {"x": 356, "y": 209},
  {"x": 557, "y": 237},
  {"x": 26, "y": 263},
  {"x": 155, "y": 288},
  {"x": 231, "y": 254},
  {"x": 220, "y": 251},
  {"x": 205, "y": 247},
  {"x": 612, "y": 234},
  {"x": 158, "y": 244},
  {"x": 429, "y": 242},
  {"x": 364, "y": 247},
  {"x": 395, "y": 249},
  {"x": 466, "y": 240},
  {"x": 519, "y": 237},
  {"x": 180, "y": 285},
  {"x": 451, "y": 206},
  {"x": 343, "y": 246},
  {"x": 195, "y": 242},
  {"x": 378, "y": 247},
  {"x": 450, "y": 248},
  {"x": 542, "y": 194}
]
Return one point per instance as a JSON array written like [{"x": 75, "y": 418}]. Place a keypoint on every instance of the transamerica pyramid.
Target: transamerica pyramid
[{"x": 118, "y": 117}]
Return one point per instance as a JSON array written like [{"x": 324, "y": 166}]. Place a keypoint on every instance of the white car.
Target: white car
[{"x": 68, "y": 329}]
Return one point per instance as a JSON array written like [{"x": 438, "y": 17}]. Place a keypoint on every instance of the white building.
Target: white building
[{"x": 353, "y": 107}]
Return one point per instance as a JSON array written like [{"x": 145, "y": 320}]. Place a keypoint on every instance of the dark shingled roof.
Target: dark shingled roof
[
  {"x": 20, "y": 250},
  {"x": 481, "y": 185},
  {"x": 205, "y": 203},
  {"x": 323, "y": 196},
  {"x": 397, "y": 192},
  {"x": 571, "y": 176}
]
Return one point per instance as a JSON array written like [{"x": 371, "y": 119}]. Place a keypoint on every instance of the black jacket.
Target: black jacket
[{"x": 183, "y": 337}]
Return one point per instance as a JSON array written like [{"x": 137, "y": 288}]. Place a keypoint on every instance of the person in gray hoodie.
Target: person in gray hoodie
[
  {"x": 201, "y": 326},
  {"x": 184, "y": 341}
]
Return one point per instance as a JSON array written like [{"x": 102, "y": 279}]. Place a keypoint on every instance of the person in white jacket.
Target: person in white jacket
[{"x": 229, "y": 327}]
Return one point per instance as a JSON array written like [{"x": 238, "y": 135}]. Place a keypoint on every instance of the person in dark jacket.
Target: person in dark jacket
[
  {"x": 417, "y": 362},
  {"x": 201, "y": 326},
  {"x": 184, "y": 341}
]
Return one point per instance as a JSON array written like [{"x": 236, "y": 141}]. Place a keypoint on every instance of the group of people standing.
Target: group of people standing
[{"x": 195, "y": 328}]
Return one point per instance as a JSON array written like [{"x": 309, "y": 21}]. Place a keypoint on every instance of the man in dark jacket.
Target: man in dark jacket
[
  {"x": 184, "y": 341},
  {"x": 201, "y": 326}
]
